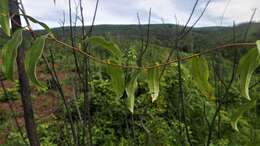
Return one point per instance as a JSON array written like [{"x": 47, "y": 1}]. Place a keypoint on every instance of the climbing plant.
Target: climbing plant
[{"x": 124, "y": 77}]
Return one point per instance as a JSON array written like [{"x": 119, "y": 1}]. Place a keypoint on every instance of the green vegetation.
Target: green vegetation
[{"x": 108, "y": 89}]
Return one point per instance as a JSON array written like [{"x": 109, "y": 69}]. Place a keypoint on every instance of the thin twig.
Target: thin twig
[
  {"x": 192, "y": 26},
  {"x": 192, "y": 13},
  {"x": 19, "y": 128},
  {"x": 147, "y": 39},
  {"x": 249, "y": 25},
  {"x": 54, "y": 77},
  {"x": 87, "y": 98},
  {"x": 72, "y": 36}
]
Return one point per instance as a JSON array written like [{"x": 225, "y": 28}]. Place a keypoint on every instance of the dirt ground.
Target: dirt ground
[{"x": 44, "y": 105}]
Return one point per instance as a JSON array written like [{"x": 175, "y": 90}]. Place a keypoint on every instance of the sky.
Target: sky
[{"x": 219, "y": 12}]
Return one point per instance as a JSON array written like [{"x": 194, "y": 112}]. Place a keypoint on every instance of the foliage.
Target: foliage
[
  {"x": 9, "y": 54},
  {"x": 199, "y": 70},
  {"x": 247, "y": 65},
  {"x": 130, "y": 90},
  {"x": 4, "y": 17},
  {"x": 32, "y": 56},
  {"x": 141, "y": 106},
  {"x": 153, "y": 80}
]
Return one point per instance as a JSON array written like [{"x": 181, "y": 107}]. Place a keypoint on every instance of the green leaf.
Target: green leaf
[
  {"x": 4, "y": 17},
  {"x": 153, "y": 82},
  {"x": 118, "y": 79},
  {"x": 199, "y": 71},
  {"x": 130, "y": 91},
  {"x": 239, "y": 113},
  {"x": 45, "y": 26},
  {"x": 9, "y": 53},
  {"x": 110, "y": 46},
  {"x": 32, "y": 57},
  {"x": 247, "y": 65}
]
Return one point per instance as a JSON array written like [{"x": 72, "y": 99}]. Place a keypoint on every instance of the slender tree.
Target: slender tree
[{"x": 23, "y": 80}]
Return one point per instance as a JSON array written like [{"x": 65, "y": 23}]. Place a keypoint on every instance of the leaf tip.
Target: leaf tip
[{"x": 234, "y": 125}]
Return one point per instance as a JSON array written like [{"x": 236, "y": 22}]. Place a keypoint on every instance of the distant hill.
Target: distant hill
[{"x": 163, "y": 34}]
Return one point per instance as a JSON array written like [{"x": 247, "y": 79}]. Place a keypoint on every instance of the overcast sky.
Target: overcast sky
[{"x": 125, "y": 11}]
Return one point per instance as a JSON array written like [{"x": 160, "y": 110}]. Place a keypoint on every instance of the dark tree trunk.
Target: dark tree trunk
[{"x": 23, "y": 80}]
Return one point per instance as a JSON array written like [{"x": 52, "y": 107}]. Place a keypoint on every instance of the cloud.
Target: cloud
[
  {"x": 237, "y": 10},
  {"x": 125, "y": 11}
]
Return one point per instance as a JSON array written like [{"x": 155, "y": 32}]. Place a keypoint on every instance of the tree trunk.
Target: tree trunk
[{"x": 23, "y": 80}]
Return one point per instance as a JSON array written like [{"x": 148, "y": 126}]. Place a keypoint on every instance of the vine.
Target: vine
[{"x": 121, "y": 84}]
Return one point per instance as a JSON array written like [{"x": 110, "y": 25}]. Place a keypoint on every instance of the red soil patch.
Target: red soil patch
[{"x": 44, "y": 104}]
